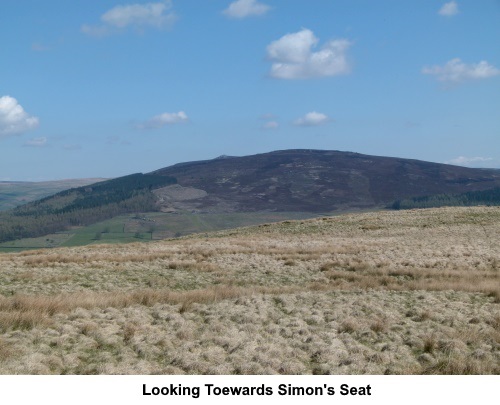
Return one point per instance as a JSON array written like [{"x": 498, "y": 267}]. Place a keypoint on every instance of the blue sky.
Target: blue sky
[{"x": 111, "y": 87}]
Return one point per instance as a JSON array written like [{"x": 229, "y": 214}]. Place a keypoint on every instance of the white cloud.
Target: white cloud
[
  {"x": 292, "y": 48},
  {"x": 36, "y": 142},
  {"x": 468, "y": 161},
  {"x": 13, "y": 119},
  {"x": 271, "y": 125},
  {"x": 449, "y": 9},
  {"x": 139, "y": 16},
  {"x": 456, "y": 71},
  {"x": 312, "y": 119},
  {"x": 293, "y": 56},
  {"x": 246, "y": 8},
  {"x": 153, "y": 14},
  {"x": 166, "y": 118}
]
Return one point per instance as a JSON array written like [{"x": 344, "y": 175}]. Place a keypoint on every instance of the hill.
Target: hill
[
  {"x": 15, "y": 193},
  {"x": 300, "y": 181},
  {"x": 394, "y": 292},
  {"x": 82, "y": 206},
  {"x": 317, "y": 181}
]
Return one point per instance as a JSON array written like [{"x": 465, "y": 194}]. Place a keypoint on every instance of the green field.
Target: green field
[{"x": 149, "y": 226}]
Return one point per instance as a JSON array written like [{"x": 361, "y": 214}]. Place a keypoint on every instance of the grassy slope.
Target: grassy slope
[
  {"x": 387, "y": 292},
  {"x": 126, "y": 228},
  {"x": 13, "y": 194},
  {"x": 82, "y": 206}
]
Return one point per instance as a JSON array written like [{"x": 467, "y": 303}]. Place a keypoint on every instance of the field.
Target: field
[
  {"x": 149, "y": 226},
  {"x": 407, "y": 292}
]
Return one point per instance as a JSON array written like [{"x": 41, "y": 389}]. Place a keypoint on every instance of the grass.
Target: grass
[
  {"x": 145, "y": 227},
  {"x": 412, "y": 292},
  {"x": 47, "y": 241}
]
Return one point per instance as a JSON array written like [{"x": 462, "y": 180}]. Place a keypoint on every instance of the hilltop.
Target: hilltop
[{"x": 319, "y": 181}]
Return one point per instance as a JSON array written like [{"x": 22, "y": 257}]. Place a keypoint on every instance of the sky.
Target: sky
[{"x": 112, "y": 87}]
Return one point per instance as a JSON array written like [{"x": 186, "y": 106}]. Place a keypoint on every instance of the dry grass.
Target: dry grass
[
  {"x": 392, "y": 292},
  {"x": 27, "y": 311}
]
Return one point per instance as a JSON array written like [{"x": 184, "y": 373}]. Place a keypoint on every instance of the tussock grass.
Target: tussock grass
[
  {"x": 393, "y": 292},
  {"x": 349, "y": 325},
  {"x": 19, "y": 319},
  {"x": 26, "y": 311},
  {"x": 6, "y": 350}
]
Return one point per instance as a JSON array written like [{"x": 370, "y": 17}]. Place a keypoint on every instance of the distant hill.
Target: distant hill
[
  {"x": 318, "y": 181},
  {"x": 15, "y": 193},
  {"x": 82, "y": 206},
  {"x": 307, "y": 181}
]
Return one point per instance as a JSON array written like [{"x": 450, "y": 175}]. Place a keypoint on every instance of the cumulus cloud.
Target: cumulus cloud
[
  {"x": 293, "y": 56},
  {"x": 246, "y": 8},
  {"x": 13, "y": 119},
  {"x": 36, "y": 142},
  {"x": 166, "y": 118},
  {"x": 469, "y": 161},
  {"x": 312, "y": 119},
  {"x": 449, "y": 9},
  {"x": 139, "y": 16},
  {"x": 456, "y": 71}
]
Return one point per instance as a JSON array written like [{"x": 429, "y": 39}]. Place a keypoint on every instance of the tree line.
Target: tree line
[
  {"x": 470, "y": 198},
  {"x": 82, "y": 206}
]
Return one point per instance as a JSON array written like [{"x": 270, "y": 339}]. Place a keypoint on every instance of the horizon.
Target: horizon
[
  {"x": 99, "y": 179},
  {"x": 102, "y": 90}
]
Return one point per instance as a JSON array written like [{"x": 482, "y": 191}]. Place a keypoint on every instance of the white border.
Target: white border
[{"x": 124, "y": 390}]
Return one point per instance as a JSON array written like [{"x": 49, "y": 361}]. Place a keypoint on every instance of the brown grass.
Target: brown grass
[
  {"x": 405, "y": 292},
  {"x": 25, "y": 311},
  {"x": 6, "y": 350}
]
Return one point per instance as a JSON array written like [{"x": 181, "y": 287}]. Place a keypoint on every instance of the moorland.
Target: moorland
[{"x": 386, "y": 292}]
